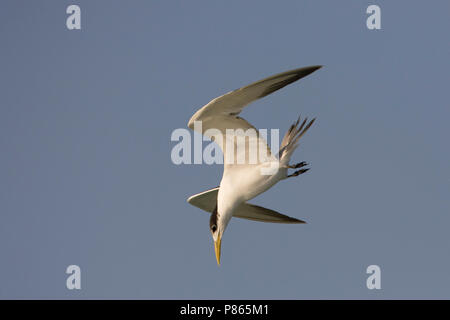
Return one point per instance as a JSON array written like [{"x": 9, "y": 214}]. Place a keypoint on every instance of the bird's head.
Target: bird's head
[{"x": 217, "y": 225}]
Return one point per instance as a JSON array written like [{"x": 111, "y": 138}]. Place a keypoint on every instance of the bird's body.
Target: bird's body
[
  {"x": 249, "y": 167},
  {"x": 243, "y": 183}
]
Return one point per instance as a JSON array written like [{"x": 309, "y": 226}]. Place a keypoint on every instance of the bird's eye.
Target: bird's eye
[{"x": 213, "y": 228}]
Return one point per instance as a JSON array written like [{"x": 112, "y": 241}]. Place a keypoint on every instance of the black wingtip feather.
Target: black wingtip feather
[{"x": 294, "y": 76}]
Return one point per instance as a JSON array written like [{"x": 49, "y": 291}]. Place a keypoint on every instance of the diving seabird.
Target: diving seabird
[{"x": 244, "y": 180}]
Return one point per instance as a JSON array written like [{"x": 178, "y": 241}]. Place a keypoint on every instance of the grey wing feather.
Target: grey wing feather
[
  {"x": 257, "y": 213},
  {"x": 205, "y": 200},
  {"x": 231, "y": 104}
]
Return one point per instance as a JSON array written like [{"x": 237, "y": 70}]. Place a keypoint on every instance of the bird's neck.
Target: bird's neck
[{"x": 227, "y": 201}]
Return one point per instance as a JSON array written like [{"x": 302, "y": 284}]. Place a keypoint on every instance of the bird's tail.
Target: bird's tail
[{"x": 290, "y": 139}]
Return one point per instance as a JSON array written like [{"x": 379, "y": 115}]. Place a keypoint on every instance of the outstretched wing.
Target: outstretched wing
[
  {"x": 222, "y": 113},
  {"x": 207, "y": 201}
]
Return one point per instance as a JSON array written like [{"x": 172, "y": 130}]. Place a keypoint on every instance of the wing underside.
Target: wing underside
[{"x": 207, "y": 201}]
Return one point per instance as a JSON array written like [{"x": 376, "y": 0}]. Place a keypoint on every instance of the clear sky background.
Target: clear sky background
[{"x": 86, "y": 176}]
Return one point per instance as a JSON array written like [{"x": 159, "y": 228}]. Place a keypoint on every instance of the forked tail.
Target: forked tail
[{"x": 290, "y": 140}]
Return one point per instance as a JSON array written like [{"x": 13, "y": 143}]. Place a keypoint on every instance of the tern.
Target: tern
[{"x": 243, "y": 180}]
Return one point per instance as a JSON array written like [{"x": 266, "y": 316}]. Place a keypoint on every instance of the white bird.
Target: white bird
[{"x": 242, "y": 178}]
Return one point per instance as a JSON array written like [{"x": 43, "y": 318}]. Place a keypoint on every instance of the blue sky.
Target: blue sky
[{"x": 85, "y": 124}]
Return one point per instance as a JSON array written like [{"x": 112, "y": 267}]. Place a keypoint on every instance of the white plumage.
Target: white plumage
[{"x": 249, "y": 166}]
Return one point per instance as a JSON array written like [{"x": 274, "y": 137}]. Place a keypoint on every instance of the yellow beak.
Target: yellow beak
[{"x": 217, "y": 245}]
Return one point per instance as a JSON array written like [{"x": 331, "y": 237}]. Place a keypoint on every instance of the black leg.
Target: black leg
[
  {"x": 298, "y": 165},
  {"x": 298, "y": 172}
]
